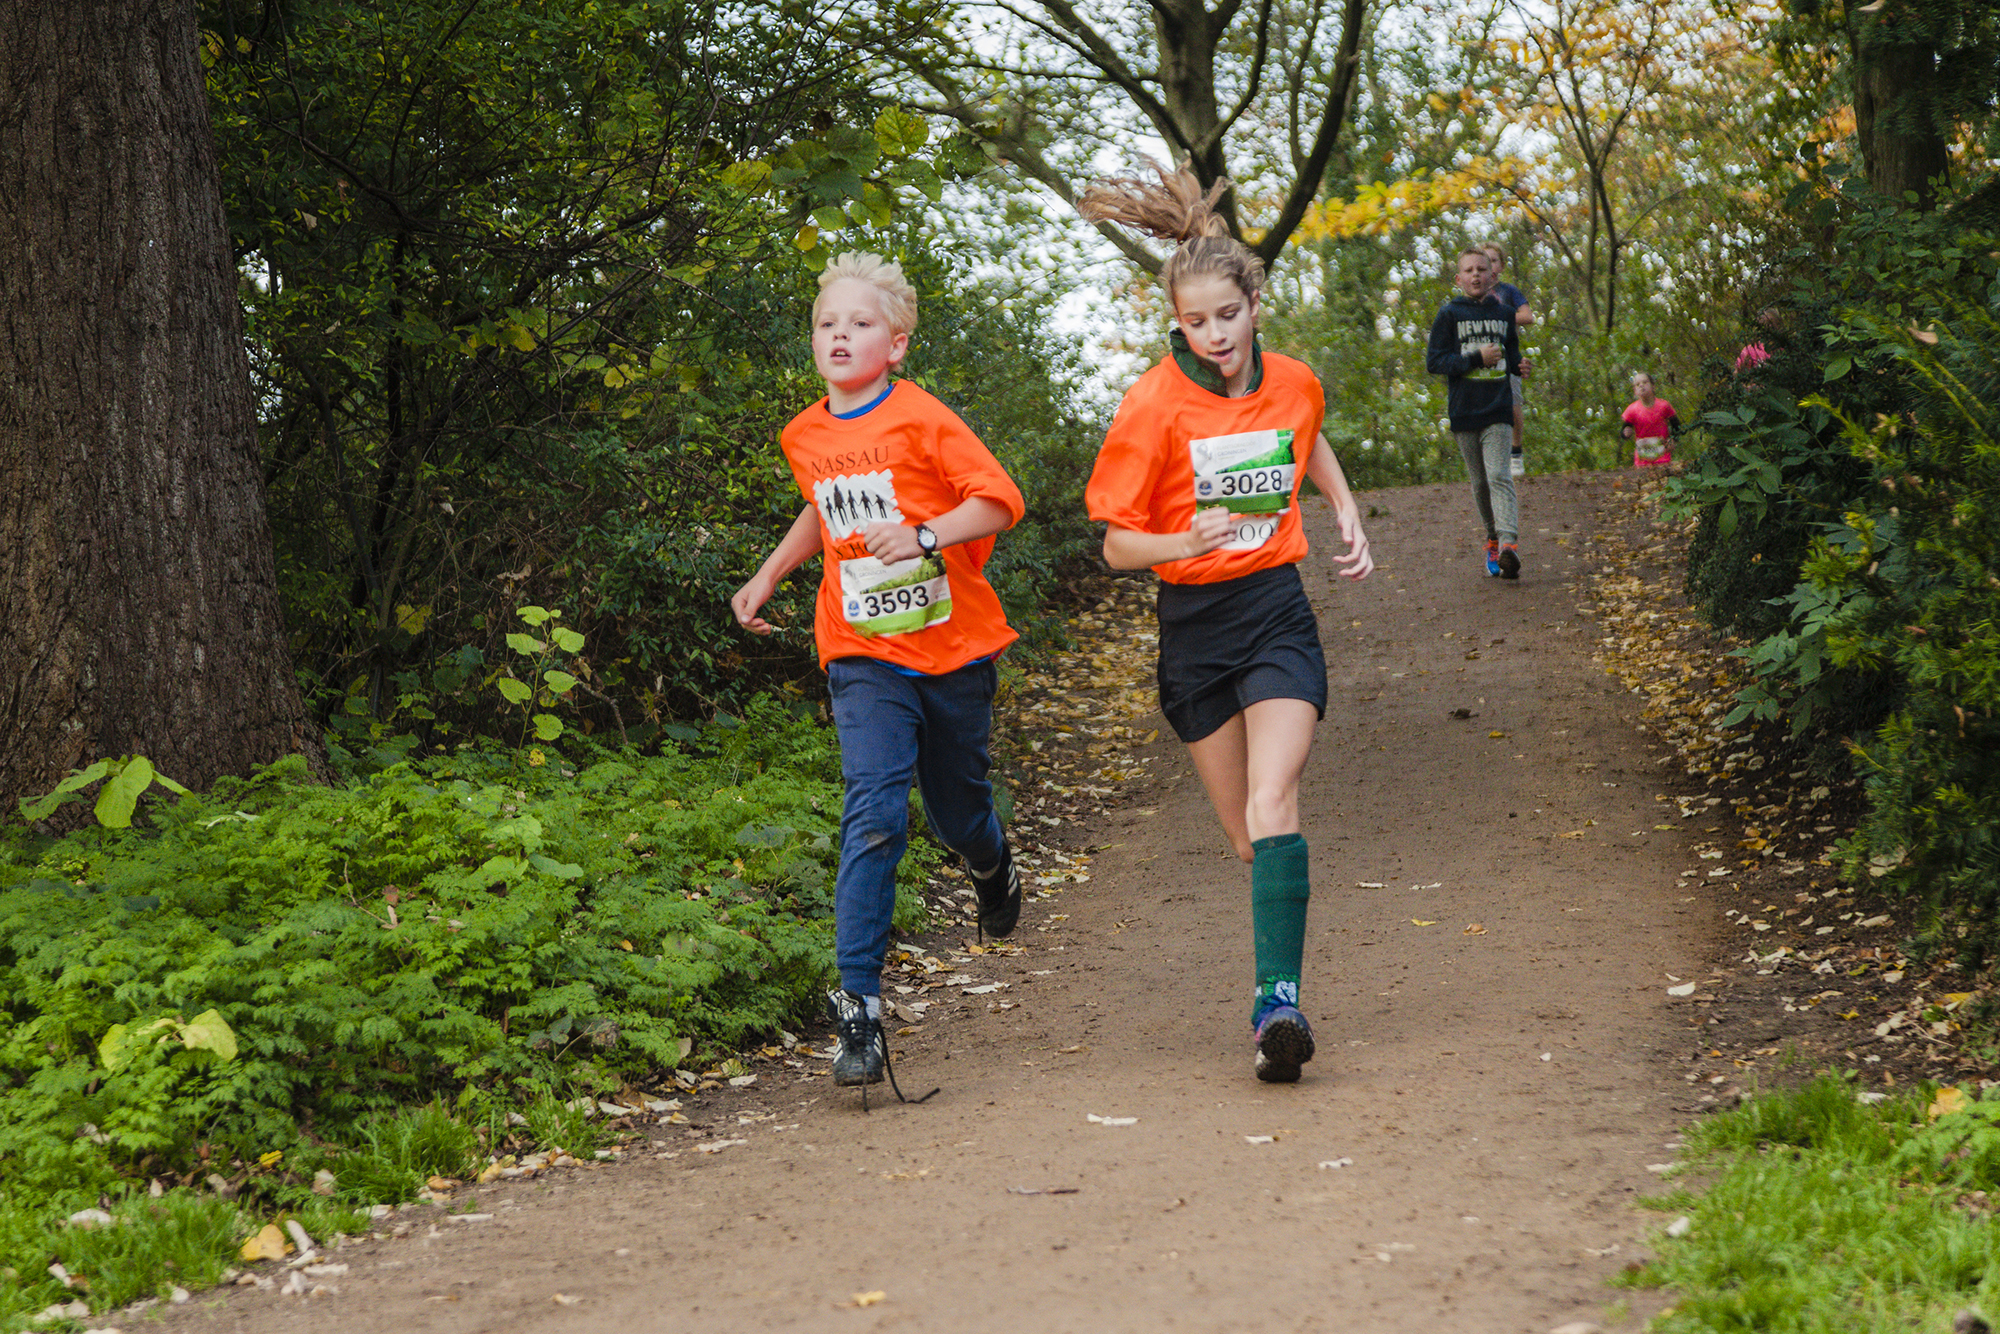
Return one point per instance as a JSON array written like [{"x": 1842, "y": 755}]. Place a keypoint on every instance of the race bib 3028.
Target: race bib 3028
[{"x": 1251, "y": 475}]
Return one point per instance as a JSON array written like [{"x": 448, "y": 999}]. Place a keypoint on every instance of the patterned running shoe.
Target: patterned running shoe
[
  {"x": 1510, "y": 562},
  {"x": 864, "y": 1052},
  {"x": 999, "y": 897},
  {"x": 1284, "y": 1043},
  {"x": 1493, "y": 558}
]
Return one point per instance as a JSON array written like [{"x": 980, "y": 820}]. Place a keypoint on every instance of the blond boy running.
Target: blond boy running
[{"x": 902, "y": 501}]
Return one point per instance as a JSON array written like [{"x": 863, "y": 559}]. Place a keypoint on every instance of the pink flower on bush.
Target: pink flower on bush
[{"x": 1752, "y": 356}]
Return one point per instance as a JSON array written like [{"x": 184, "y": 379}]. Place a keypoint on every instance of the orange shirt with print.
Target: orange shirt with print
[
  {"x": 907, "y": 460},
  {"x": 1146, "y": 476}
]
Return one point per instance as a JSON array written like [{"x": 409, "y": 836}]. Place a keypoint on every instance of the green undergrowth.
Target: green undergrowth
[
  {"x": 277, "y": 979},
  {"x": 1823, "y": 1214}
]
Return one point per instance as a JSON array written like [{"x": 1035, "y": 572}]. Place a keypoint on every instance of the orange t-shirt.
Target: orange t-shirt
[
  {"x": 1174, "y": 444},
  {"x": 907, "y": 460}
]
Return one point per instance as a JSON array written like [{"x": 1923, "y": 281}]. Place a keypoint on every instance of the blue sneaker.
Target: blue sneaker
[
  {"x": 1284, "y": 1043},
  {"x": 1493, "y": 558}
]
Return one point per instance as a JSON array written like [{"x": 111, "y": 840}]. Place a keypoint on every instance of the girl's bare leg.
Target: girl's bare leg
[
  {"x": 1251, "y": 767},
  {"x": 1221, "y": 760}
]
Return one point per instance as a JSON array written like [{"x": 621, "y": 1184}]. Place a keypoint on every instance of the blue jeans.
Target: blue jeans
[{"x": 895, "y": 729}]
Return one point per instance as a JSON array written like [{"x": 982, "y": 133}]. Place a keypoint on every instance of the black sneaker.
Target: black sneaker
[
  {"x": 864, "y": 1052},
  {"x": 999, "y": 897},
  {"x": 1510, "y": 562}
]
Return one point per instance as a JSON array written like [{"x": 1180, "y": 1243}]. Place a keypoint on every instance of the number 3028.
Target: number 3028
[{"x": 1256, "y": 482}]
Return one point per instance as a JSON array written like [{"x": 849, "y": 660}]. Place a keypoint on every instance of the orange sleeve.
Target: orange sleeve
[
  {"x": 969, "y": 466},
  {"x": 1127, "y": 472}
]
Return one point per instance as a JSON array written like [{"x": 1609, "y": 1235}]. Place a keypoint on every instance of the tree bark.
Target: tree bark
[
  {"x": 1901, "y": 148},
  {"x": 137, "y": 585}
]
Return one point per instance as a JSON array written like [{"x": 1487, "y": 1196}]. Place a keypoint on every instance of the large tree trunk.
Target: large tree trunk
[
  {"x": 138, "y": 593},
  {"x": 1901, "y": 147}
]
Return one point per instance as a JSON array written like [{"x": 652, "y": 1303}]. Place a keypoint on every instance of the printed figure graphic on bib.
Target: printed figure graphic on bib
[
  {"x": 1199, "y": 478},
  {"x": 903, "y": 502},
  {"x": 1476, "y": 346},
  {"x": 1650, "y": 424}
]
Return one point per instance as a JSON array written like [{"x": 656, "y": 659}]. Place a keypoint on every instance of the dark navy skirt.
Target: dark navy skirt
[{"x": 1225, "y": 646}]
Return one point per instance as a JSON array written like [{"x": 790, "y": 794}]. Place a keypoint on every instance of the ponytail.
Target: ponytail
[{"x": 1176, "y": 208}]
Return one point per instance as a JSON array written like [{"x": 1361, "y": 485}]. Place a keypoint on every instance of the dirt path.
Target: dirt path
[{"x": 1495, "y": 921}]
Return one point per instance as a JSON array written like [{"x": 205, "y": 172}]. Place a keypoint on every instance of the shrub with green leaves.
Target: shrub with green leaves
[
  {"x": 1847, "y": 523},
  {"x": 451, "y": 923},
  {"x": 1917, "y": 578}
]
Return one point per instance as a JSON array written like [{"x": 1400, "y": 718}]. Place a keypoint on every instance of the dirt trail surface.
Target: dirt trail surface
[{"x": 1495, "y": 921}]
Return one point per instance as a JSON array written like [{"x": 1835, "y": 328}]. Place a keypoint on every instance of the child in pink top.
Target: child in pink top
[{"x": 1649, "y": 424}]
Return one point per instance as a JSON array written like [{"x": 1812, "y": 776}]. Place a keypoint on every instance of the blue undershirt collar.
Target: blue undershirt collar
[{"x": 867, "y": 407}]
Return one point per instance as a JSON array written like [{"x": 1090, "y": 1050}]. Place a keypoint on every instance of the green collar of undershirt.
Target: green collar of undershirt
[{"x": 1204, "y": 373}]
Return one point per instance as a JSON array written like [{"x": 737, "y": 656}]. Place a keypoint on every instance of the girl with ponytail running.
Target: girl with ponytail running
[{"x": 1199, "y": 478}]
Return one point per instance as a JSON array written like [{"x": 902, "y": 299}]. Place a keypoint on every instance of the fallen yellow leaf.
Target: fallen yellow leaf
[
  {"x": 866, "y": 1298},
  {"x": 268, "y": 1244},
  {"x": 1496, "y": 736},
  {"x": 1418, "y": 921},
  {"x": 1475, "y": 930},
  {"x": 1949, "y": 1099}
]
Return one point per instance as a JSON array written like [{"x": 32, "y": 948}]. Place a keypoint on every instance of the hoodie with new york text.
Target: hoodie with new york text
[{"x": 1479, "y": 395}]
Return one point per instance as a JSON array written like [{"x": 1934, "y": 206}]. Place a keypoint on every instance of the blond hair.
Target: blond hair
[
  {"x": 899, "y": 298},
  {"x": 1176, "y": 208}
]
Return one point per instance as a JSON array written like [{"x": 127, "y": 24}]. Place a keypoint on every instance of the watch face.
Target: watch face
[{"x": 926, "y": 538}]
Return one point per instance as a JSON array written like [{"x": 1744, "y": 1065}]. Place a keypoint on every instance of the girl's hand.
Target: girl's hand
[
  {"x": 891, "y": 542},
  {"x": 1211, "y": 528},
  {"x": 1357, "y": 560},
  {"x": 746, "y": 602}
]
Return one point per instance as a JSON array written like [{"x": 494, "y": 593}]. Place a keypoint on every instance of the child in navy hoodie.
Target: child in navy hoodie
[{"x": 1474, "y": 345}]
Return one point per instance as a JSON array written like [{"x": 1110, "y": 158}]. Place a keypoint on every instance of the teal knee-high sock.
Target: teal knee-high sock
[{"x": 1280, "y": 885}]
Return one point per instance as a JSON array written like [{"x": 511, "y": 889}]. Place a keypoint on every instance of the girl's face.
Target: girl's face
[
  {"x": 1219, "y": 320},
  {"x": 1642, "y": 385}
]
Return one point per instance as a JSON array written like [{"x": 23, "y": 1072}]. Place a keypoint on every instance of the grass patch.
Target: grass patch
[{"x": 1828, "y": 1215}]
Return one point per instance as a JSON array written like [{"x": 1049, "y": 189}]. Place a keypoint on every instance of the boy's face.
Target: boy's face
[
  {"x": 1475, "y": 275},
  {"x": 854, "y": 349}
]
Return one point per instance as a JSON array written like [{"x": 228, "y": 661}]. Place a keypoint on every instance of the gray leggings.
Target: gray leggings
[{"x": 1488, "y": 462}]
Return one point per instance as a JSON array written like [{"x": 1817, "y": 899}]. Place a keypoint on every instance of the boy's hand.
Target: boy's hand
[
  {"x": 1211, "y": 528},
  {"x": 1490, "y": 354},
  {"x": 1527, "y": 367},
  {"x": 746, "y": 602},
  {"x": 891, "y": 542}
]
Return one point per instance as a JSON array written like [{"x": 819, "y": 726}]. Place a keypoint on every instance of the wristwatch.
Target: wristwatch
[{"x": 926, "y": 539}]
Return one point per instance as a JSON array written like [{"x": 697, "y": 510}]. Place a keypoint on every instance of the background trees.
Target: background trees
[{"x": 1064, "y": 93}]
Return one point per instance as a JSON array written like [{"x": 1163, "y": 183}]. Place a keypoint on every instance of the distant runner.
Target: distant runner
[
  {"x": 1475, "y": 345},
  {"x": 1524, "y": 315},
  {"x": 1650, "y": 424}
]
